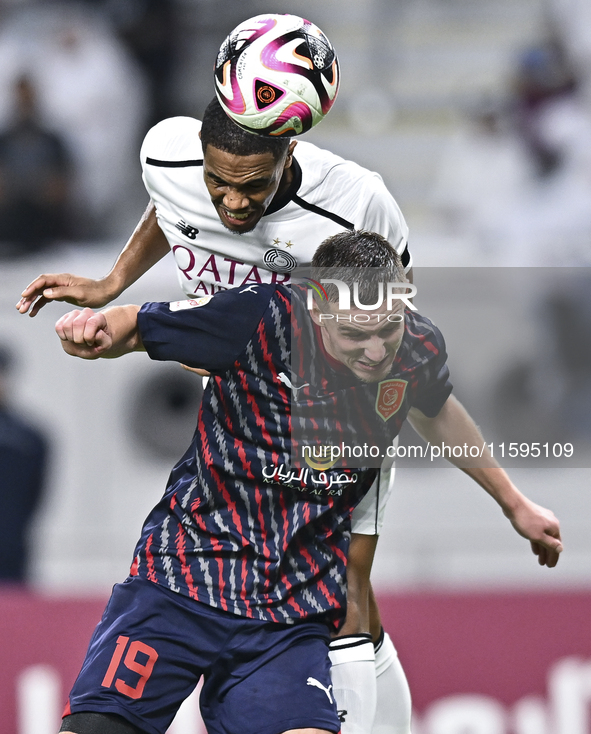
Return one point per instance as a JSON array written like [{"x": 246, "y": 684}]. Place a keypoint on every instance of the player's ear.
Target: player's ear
[
  {"x": 315, "y": 314},
  {"x": 289, "y": 156}
]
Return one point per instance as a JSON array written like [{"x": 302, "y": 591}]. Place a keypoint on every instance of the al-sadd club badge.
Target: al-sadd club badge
[{"x": 389, "y": 397}]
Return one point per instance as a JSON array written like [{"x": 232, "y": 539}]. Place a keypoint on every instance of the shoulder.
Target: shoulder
[
  {"x": 210, "y": 332},
  {"x": 242, "y": 302},
  {"x": 348, "y": 189},
  {"x": 245, "y": 297},
  {"x": 319, "y": 164},
  {"x": 173, "y": 139},
  {"x": 423, "y": 335}
]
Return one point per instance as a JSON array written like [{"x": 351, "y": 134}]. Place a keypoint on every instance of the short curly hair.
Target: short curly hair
[{"x": 219, "y": 131}]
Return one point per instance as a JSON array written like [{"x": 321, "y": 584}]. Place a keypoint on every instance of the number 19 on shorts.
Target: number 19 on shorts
[{"x": 139, "y": 658}]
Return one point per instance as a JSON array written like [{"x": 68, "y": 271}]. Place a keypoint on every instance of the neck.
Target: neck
[{"x": 285, "y": 183}]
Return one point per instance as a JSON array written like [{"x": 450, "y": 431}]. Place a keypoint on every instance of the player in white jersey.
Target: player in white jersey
[
  {"x": 326, "y": 194},
  {"x": 235, "y": 209}
]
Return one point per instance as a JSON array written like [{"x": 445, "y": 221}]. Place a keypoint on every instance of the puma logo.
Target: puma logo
[
  {"x": 286, "y": 381},
  {"x": 317, "y": 684}
]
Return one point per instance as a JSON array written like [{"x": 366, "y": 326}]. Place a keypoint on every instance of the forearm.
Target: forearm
[
  {"x": 454, "y": 427},
  {"x": 496, "y": 482},
  {"x": 146, "y": 246},
  {"x": 123, "y": 328}
]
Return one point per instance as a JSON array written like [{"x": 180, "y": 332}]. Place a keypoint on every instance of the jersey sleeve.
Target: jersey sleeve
[
  {"x": 210, "y": 332},
  {"x": 382, "y": 214},
  {"x": 174, "y": 140},
  {"x": 438, "y": 388}
]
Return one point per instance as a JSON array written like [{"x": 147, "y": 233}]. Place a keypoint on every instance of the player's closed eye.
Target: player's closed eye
[
  {"x": 257, "y": 185},
  {"x": 215, "y": 180},
  {"x": 390, "y": 330},
  {"x": 384, "y": 333},
  {"x": 356, "y": 336}
]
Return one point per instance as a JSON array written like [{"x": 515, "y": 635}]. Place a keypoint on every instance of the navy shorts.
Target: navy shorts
[{"x": 152, "y": 646}]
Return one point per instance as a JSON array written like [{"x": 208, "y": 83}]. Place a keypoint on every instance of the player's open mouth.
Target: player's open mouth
[
  {"x": 237, "y": 218},
  {"x": 377, "y": 367}
]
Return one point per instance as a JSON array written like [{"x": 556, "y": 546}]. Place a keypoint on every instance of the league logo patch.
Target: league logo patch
[
  {"x": 389, "y": 398},
  {"x": 279, "y": 261},
  {"x": 190, "y": 303}
]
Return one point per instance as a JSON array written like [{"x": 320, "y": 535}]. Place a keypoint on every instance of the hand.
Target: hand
[
  {"x": 84, "y": 334},
  {"x": 73, "y": 289},
  {"x": 541, "y": 528}
]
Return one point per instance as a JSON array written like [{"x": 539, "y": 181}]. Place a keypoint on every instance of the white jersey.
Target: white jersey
[{"x": 328, "y": 195}]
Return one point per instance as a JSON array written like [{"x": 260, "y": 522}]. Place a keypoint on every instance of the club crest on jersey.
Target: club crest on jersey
[
  {"x": 389, "y": 398},
  {"x": 279, "y": 261},
  {"x": 190, "y": 303},
  {"x": 187, "y": 230}
]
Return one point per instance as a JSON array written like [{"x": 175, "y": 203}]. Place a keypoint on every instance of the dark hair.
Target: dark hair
[
  {"x": 360, "y": 257},
  {"x": 219, "y": 131}
]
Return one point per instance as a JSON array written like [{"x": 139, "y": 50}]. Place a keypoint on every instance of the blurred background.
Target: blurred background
[{"x": 477, "y": 114}]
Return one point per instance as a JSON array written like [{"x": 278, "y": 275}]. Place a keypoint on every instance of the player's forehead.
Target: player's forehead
[
  {"x": 368, "y": 321},
  {"x": 231, "y": 167}
]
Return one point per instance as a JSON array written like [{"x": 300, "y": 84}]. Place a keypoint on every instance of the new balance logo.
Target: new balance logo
[
  {"x": 187, "y": 230},
  {"x": 286, "y": 381},
  {"x": 317, "y": 684}
]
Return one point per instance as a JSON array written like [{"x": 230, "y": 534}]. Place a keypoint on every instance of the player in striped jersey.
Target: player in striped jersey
[
  {"x": 240, "y": 567},
  {"x": 236, "y": 209}
]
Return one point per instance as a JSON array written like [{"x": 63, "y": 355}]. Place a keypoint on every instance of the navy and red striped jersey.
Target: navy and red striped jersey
[
  {"x": 227, "y": 532},
  {"x": 238, "y": 528},
  {"x": 333, "y": 408}
]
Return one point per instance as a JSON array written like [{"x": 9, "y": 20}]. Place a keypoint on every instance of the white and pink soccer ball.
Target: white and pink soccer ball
[{"x": 276, "y": 75}]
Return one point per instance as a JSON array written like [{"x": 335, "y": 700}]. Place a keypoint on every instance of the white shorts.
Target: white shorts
[{"x": 368, "y": 516}]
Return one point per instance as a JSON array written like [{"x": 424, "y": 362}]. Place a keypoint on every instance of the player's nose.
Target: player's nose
[
  {"x": 234, "y": 200},
  {"x": 375, "y": 350}
]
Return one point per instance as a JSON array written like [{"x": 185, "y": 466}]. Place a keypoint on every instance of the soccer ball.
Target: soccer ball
[{"x": 276, "y": 75}]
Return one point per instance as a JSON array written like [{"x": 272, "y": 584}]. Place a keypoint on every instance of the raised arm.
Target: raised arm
[
  {"x": 454, "y": 427},
  {"x": 110, "y": 333},
  {"x": 144, "y": 248}
]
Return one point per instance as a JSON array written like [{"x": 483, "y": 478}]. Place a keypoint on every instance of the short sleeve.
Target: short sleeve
[
  {"x": 209, "y": 332},
  {"x": 382, "y": 214},
  {"x": 438, "y": 387}
]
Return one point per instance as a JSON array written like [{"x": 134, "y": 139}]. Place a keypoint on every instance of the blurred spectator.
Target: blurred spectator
[
  {"x": 544, "y": 75},
  {"x": 93, "y": 94},
  {"x": 516, "y": 180},
  {"x": 482, "y": 174},
  {"x": 572, "y": 18},
  {"x": 150, "y": 30},
  {"x": 547, "y": 396},
  {"x": 23, "y": 459},
  {"x": 35, "y": 170}
]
